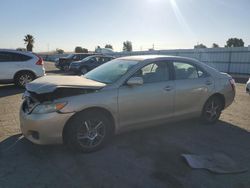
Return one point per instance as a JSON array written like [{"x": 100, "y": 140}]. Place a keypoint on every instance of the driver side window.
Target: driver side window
[{"x": 154, "y": 72}]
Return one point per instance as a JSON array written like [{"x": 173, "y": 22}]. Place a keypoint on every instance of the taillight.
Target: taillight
[
  {"x": 40, "y": 61},
  {"x": 232, "y": 83}
]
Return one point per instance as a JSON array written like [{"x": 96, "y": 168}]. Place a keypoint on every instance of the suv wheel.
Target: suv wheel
[
  {"x": 88, "y": 131},
  {"x": 212, "y": 110},
  {"x": 23, "y": 78}
]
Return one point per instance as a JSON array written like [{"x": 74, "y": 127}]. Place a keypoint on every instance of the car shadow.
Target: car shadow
[
  {"x": 143, "y": 158},
  {"x": 10, "y": 89}
]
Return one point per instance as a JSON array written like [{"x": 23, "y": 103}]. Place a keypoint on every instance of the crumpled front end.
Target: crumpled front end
[{"x": 46, "y": 127}]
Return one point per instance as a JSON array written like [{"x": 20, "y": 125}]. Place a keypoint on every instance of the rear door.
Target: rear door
[
  {"x": 10, "y": 63},
  {"x": 5, "y": 60},
  {"x": 193, "y": 86},
  {"x": 149, "y": 102}
]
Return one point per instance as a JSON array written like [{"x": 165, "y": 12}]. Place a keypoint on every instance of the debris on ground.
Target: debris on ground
[{"x": 216, "y": 163}]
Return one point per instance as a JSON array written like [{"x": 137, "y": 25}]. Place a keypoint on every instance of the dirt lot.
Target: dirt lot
[{"x": 143, "y": 158}]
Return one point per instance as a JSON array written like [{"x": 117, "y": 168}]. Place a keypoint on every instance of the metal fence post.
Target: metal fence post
[{"x": 229, "y": 62}]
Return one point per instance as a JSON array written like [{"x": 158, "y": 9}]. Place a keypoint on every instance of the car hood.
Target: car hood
[{"x": 49, "y": 84}]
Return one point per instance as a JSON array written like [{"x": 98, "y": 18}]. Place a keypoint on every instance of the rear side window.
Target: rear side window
[
  {"x": 5, "y": 57},
  {"x": 185, "y": 70},
  {"x": 21, "y": 57},
  {"x": 83, "y": 56},
  {"x": 11, "y": 56}
]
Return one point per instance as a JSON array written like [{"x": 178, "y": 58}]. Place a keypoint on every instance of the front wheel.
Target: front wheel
[
  {"x": 212, "y": 110},
  {"x": 89, "y": 131},
  {"x": 66, "y": 68}
]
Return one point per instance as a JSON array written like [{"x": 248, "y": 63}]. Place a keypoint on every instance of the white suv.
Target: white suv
[
  {"x": 20, "y": 67},
  {"x": 248, "y": 86}
]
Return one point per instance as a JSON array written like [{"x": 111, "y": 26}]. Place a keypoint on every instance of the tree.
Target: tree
[
  {"x": 85, "y": 50},
  {"x": 234, "y": 42},
  {"x": 78, "y": 49},
  {"x": 109, "y": 46},
  {"x": 29, "y": 40},
  {"x": 215, "y": 45},
  {"x": 200, "y": 46},
  {"x": 59, "y": 51},
  {"x": 127, "y": 46}
]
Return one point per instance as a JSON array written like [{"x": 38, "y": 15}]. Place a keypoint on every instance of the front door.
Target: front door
[{"x": 151, "y": 101}]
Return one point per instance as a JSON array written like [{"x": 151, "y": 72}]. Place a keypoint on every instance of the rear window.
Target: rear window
[{"x": 11, "y": 56}]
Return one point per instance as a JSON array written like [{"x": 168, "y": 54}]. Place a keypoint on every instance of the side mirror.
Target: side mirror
[{"x": 135, "y": 81}]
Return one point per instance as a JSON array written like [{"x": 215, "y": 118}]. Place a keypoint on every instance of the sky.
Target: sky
[{"x": 164, "y": 24}]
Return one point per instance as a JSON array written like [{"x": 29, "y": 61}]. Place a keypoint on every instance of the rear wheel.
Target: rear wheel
[
  {"x": 89, "y": 131},
  {"x": 22, "y": 78},
  {"x": 212, "y": 110}
]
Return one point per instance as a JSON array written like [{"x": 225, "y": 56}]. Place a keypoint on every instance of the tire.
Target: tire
[
  {"x": 88, "y": 131},
  {"x": 22, "y": 78},
  {"x": 212, "y": 110},
  {"x": 65, "y": 68},
  {"x": 84, "y": 70}
]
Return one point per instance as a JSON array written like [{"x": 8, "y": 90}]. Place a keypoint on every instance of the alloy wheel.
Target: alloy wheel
[
  {"x": 24, "y": 79},
  {"x": 213, "y": 110},
  {"x": 91, "y": 133}
]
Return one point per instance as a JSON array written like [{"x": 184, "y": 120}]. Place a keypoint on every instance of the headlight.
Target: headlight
[{"x": 48, "y": 107}]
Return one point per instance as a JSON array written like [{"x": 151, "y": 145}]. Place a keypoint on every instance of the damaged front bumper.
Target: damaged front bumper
[{"x": 43, "y": 128}]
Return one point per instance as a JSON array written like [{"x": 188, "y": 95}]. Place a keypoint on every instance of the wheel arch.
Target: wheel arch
[
  {"x": 220, "y": 96},
  {"x": 95, "y": 110}
]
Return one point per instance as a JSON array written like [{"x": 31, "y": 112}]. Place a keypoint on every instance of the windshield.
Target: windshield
[
  {"x": 110, "y": 72},
  {"x": 87, "y": 58}
]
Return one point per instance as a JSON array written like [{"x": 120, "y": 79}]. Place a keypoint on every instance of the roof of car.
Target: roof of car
[
  {"x": 147, "y": 57},
  {"x": 85, "y": 53},
  {"x": 17, "y": 51},
  {"x": 101, "y": 55}
]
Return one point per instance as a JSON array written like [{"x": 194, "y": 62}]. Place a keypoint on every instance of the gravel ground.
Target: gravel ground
[{"x": 142, "y": 158}]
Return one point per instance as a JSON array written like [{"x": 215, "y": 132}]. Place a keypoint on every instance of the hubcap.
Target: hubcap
[
  {"x": 213, "y": 110},
  {"x": 91, "y": 133},
  {"x": 24, "y": 79}
]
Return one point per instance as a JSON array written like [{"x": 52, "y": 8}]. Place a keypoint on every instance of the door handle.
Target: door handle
[
  {"x": 208, "y": 82},
  {"x": 168, "y": 88}
]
